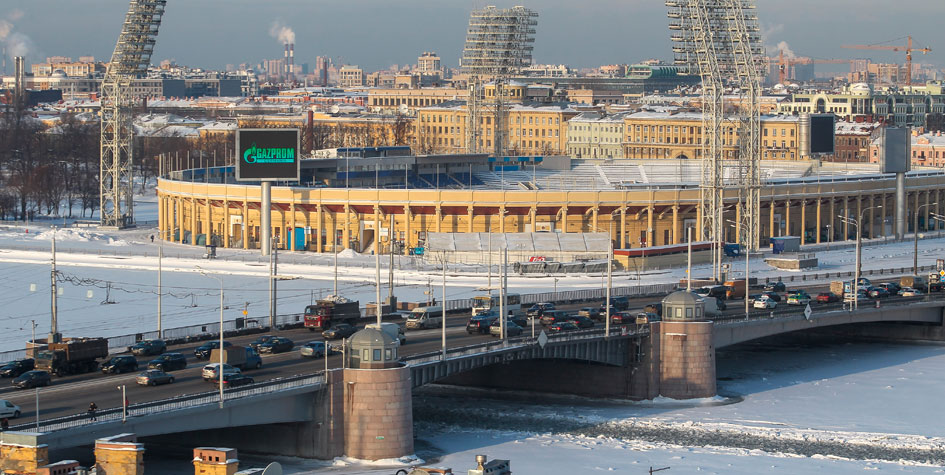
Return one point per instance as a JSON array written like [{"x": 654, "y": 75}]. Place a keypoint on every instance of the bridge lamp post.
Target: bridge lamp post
[
  {"x": 859, "y": 239},
  {"x": 747, "y": 232},
  {"x": 124, "y": 405},
  {"x": 915, "y": 232},
  {"x": 220, "y": 368}
]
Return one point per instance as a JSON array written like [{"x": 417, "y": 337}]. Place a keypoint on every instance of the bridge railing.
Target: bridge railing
[{"x": 180, "y": 402}]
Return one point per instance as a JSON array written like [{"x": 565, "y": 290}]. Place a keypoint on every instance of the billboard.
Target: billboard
[
  {"x": 895, "y": 150},
  {"x": 822, "y": 130},
  {"x": 267, "y": 155}
]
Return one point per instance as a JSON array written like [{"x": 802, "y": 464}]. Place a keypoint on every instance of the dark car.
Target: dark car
[
  {"x": 153, "y": 377},
  {"x": 877, "y": 293},
  {"x": 562, "y": 327},
  {"x": 622, "y": 318},
  {"x": 554, "y": 316},
  {"x": 519, "y": 320},
  {"x": 581, "y": 322},
  {"x": 234, "y": 380},
  {"x": 480, "y": 324},
  {"x": 120, "y": 364},
  {"x": 16, "y": 368},
  {"x": 259, "y": 341},
  {"x": 775, "y": 286},
  {"x": 891, "y": 287},
  {"x": 511, "y": 329},
  {"x": 168, "y": 362},
  {"x": 276, "y": 345},
  {"x": 203, "y": 351},
  {"x": 772, "y": 295},
  {"x": 591, "y": 312},
  {"x": 148, "y": 348},
  {"x": 32, "y": 379},
  {"x": 619, "y": 303},
  {"x": 539, "y": 309},
  {"x": 340, "y": 330},
  {"x": 827, "y": 297}
]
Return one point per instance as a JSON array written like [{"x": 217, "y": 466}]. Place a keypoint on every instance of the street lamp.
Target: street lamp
[
  {"x": 220, "y": 369},
  {"x": 124, "y": 404},
  {"x": 915, "y": 232},
  {"x": 744, "y": 227},
  {"x": 859, "y": 237},
  {"x": 829, "y": 237}
]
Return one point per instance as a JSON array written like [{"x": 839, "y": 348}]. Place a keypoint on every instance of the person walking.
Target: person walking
[
  {"x": 92, "y": 409},
  {"x": 4, "y": 424}
]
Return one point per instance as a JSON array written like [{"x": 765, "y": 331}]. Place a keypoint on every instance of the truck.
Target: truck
[
  {"x": 392, "y": 329},
  {"x": 736, "y": 289},
  {"x": 330, "y": 311},
  {"x": 70, "y": 356},
  {"x": 242, "y": 357},
  {"x": 935, "y": 282},
  {"x": 917, "y": 282},
  {"x": 425, "y": 317},
  {"x": 836, "y": 288}
]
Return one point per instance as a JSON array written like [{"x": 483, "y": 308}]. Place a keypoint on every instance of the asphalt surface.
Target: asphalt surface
[{"x": 72, "y": 394}]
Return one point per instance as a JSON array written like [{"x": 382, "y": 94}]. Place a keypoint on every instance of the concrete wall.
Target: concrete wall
[{"x": 378, "y": 413}]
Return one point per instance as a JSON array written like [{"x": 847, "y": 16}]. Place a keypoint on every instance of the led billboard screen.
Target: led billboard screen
[
  {"x": 822, "y": 131},
  {"x": 267, "y": 155}
]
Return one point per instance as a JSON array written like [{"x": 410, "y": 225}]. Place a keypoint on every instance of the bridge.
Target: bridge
[{"x": 313, "y": 415}]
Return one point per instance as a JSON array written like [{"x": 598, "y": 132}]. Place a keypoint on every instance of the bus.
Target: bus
[{"x": 486, "y": 303}]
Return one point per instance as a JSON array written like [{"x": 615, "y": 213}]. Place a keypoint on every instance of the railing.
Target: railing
[{"x": 180, "y": 402}]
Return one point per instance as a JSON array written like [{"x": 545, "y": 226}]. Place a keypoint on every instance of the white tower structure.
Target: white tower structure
[
  {"x": 498, "y": 45},
  {"x": 130, "y": 60},
  {"x": 720, "y": 40}
]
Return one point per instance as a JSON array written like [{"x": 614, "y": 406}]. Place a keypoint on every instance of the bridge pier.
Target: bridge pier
[
  {"x": 119, "y": 455},
  {"x": 686, "y": 359},
  {"x": 21, "y": 453},
  {"x": 378, "y": 413}
]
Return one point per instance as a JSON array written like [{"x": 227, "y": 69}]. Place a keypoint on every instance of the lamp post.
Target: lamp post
[
  {"x": 829, "y": 236},
  {"x": 915, "y": 233},
  {"x": 746, "y": 230},
  {"x": 124, "y": 405},
  {"x": 859, "y": 238},
  {"x": 220, "y": 369}
]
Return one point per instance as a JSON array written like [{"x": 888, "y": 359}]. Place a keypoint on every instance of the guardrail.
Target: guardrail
[{"x": 180, "y": 402}]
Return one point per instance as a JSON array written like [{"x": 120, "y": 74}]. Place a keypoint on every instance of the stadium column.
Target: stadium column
[
  {"x": 738, "y": 219},
  {"x": 649, "y": 221},
  {"x": 787, "y": 216},
  {"x": 803, "y": 221},
  {"x": 193, "y": 220},
  {"x": 207, "y": 222},
  {"x": 700, "y": 228},
  {"x": 346, "y": 231},
  {"x": 439, "y": 218},
  {"x": 771, "y": 208},
  {"x": 564, "y": 219},
  {"x": 407, "y": 218},
  {"x": 244, "y": 226},
  {"x": 675, "y": 231},
  {"x": 927, "y": 208},
  {"x": 872, "y": 214},
  {"x": 320, "y": 227},
  {"x": 817, "y": 232},
  {"x": 180, "y": 219},
  {"x": 833, "y": 220},
  {"x": 623, "y": 227},
  {"x": 291, "y": 236},
  {"x": 594, "y": 213},
  {"x": 532, "y": 215},
  {"x": 226, "y": 222},
  {"x": 846, "y": 214},
  {"x": 915, "y": 206},
  {"x": 884, "y": 211},
  {"x": 469, "y": 219},
  {"x": 501, "y": 218},
  {"x": 859, "y": 212}
]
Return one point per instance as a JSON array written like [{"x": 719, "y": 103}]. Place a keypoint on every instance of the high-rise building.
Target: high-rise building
[{"x": 428, "y": 63}]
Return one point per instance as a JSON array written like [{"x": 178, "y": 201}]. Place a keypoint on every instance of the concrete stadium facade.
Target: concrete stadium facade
[{"x": 334, "y": 219}]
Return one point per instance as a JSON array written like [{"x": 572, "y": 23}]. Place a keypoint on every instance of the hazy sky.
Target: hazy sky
[{"x": 377, "y": 33}]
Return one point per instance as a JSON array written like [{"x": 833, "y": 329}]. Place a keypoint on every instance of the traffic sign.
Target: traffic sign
[
  {"x": 542, "y": 339},
  {"x": 941, "y": 273},
  {"x": 807, "y": 312}
]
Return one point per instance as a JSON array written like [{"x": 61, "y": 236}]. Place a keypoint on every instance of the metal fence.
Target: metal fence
[{"x": 181, "y": 402}]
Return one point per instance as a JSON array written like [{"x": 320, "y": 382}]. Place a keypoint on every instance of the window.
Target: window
[
  {"x": 678, "y": 312},
  {"x": 387, "y": 354},
  {"x": 688, "y": 314},
  {"x": 367, "y": 355},
  {"x": 377, "y": 354}
]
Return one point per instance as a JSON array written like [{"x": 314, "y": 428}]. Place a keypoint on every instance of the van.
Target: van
[
  {"x": 713, "y": 306},
  {"x": 425, "y": 317},
  {"x": 392, "y": 329}
]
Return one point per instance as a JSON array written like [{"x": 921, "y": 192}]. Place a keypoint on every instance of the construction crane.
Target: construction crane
[
  {"x": 907, "y": 48},
  {"x": 785, "y": 63},
  {"x": 129, "y": 61}
]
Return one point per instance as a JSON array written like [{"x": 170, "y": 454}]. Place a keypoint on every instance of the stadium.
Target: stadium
[{"x": 350, "y": 198}]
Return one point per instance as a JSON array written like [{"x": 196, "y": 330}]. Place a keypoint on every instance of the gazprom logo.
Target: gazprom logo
[{"x": 256, "y": 154}]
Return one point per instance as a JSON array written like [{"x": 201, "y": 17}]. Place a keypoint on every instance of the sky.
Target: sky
[{"x": 378, "y": 33}]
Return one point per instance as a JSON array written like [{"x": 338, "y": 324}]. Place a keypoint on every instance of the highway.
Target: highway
[{"x": 72, "y": 394}]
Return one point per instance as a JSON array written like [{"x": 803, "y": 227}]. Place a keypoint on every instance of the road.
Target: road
[{"x": 72, "y": 394}]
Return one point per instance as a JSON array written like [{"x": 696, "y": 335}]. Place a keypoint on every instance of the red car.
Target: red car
[{"x": 827, "y": 297}]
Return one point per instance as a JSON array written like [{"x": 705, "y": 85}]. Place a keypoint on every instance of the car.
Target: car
[
  {"x": 656, "y": 308},
  {"x": 718, "y": 291},
  {"x": 32, "y": 379},
  {"x": 234, "y": 380},
  {"x": 120, "y": 364},
  {"x": 765, "y": 303},
  {"x": 153, "y": 377},
  {"x": 259, "y": 341},
  {"x": 827, "y": 297},
  {"x": 877, "y": 293},
  {"x": 620, "y": 303},
  {"x": 168, "y": 362},
  {"x": 622, "y": 318},
  {"x": 775, "y": 286},
  {"x": 8, "y": 410},
  {"x": 591, "y": 312},
  {"x": 798, "y": 297},
  {"x": 554, "y": 316},
  {"x": 312, "y": 349},
  {"x": 562, "y": 327},
  {"x": 720, "y": 303},
  {"x": 511, "y": 329},
  {"x": 339, "y": 330},
  {"x": 772, "y": 295},
  {"x": 581, "y": 321},
  {"x": 149, "y": 348},
  {"x": 277, "y": 344},
  {"x": 644, "y": 318},
  {"x": 909, "y": 292},
  {"x": 210, "y": 371},
  {"x": 203, "y": 351},
  {"x": 891, "y": 287},
  {"x": 480, "y": 324},
  {"x": 16, "y": 368},
  {"x": 539, "y": 308}
]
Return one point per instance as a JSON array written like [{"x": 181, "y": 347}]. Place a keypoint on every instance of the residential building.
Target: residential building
[
  {"x": 429, "y": 63},
  {"x": 593, "y": 135},
  {"x": 852, "y": 141},
  {"x": 351, "y": 76}
]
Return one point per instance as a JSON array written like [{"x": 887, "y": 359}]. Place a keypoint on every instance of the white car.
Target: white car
[
  {"x": 210, "y": 371},
  {"x": 765, "y": 302},
  {"x": 9, "y": 410},
  {"x": 909, "y": 292}
]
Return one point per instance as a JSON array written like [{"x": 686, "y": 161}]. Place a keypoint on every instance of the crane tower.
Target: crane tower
[
  {"x": 720, "y": 41},
  {"x": 130, "y": 60},
  {"x": 498, "y": 45}
]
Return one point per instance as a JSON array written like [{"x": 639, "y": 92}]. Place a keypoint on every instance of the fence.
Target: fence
[{"x": 181, "y": 402}]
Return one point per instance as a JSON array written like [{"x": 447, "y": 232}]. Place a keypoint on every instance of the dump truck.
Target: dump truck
[
  {"x": 330, "y": 311},
  {"x": 71, "y": 356}
]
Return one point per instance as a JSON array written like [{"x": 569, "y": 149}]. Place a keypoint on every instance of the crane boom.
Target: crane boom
[
  {"x": 130, "y": 59},
  {"x": 907, "y": 48}
]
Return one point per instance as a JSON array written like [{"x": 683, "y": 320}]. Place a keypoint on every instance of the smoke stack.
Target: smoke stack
[
  {"x": 19, "y": 75},
  {"x": 285, "y": 64},
  {"x": 292, "y": 61}
]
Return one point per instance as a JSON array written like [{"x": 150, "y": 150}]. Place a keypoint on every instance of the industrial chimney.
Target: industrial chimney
[
  {"x": 19, "y": 76},
  {"x": 291, "y": 61},
  {"x": 285, "y": 63}
]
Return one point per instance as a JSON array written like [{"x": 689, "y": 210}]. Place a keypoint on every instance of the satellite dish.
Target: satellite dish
[
  {"x": 335, "y": 109},
  {"x": 402, "y": 108},
  {"x": 273, "y": 469}
]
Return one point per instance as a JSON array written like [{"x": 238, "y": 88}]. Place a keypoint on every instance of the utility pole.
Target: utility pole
[
  {"x": 273, "y": 263},
  {"x": 377, "y": 267},
  {"x": 443, "y": 307},
  {"x": 54, "y": 336}
]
